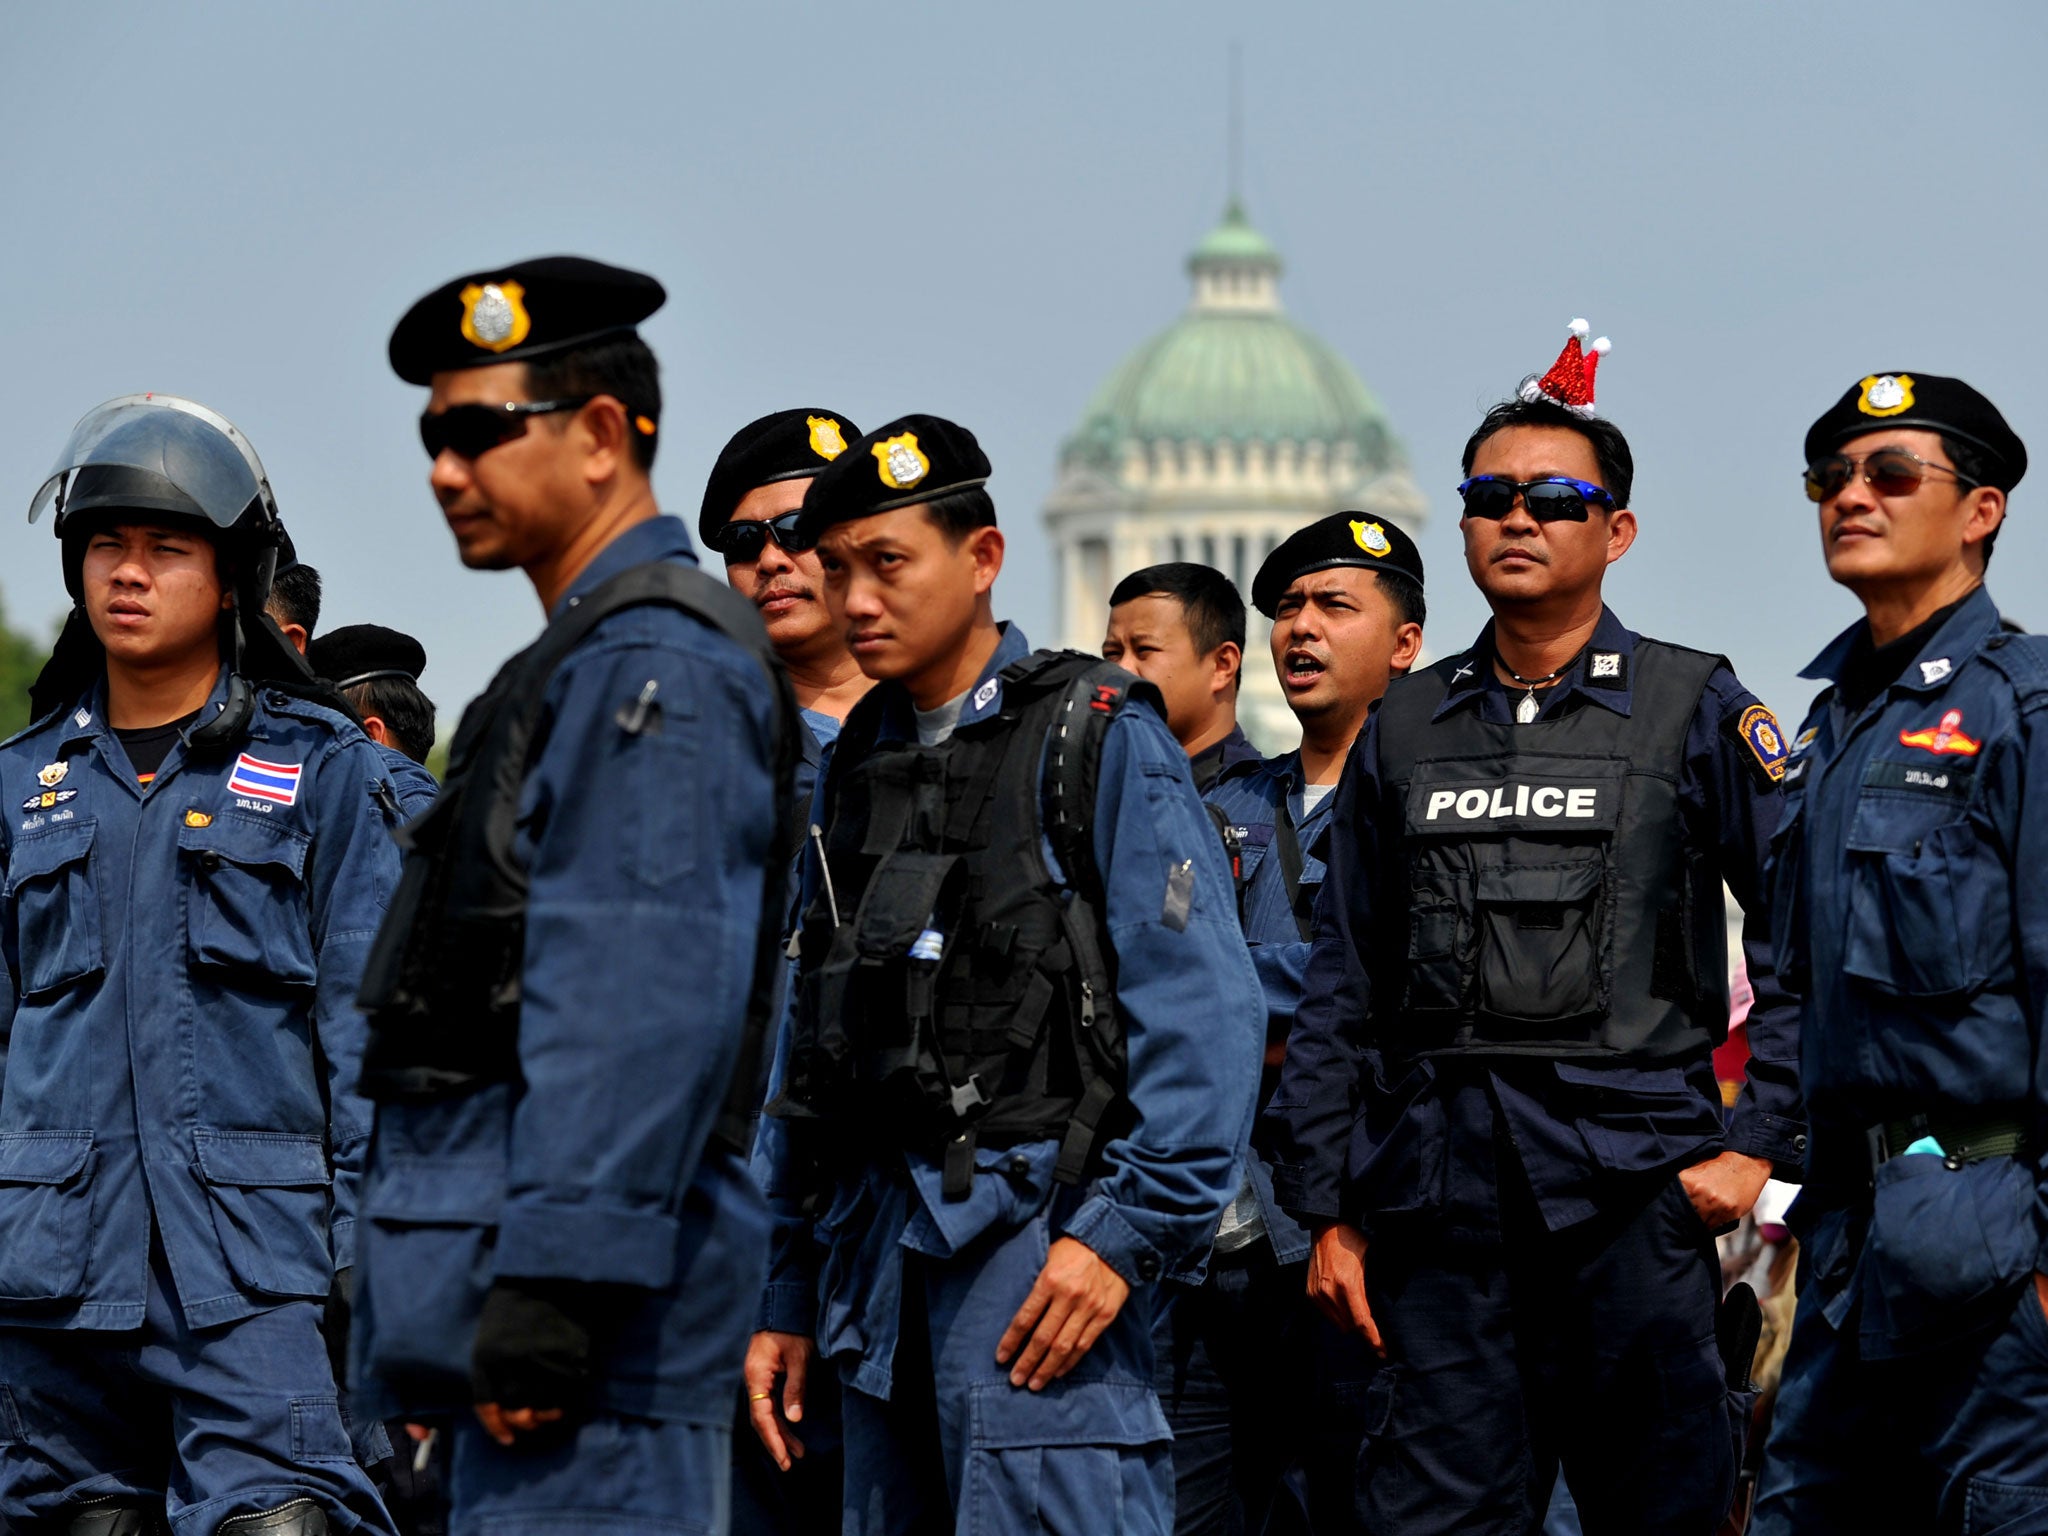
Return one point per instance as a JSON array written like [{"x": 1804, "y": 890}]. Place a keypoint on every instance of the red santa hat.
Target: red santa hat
[{"x": 1570, "y": 380}]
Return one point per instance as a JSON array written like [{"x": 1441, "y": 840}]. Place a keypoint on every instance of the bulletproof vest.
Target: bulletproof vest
[
  {"x": 442, "y": 983},
  {"x": 953, "y": 991},
  {"x": 1554, "y": 907}
]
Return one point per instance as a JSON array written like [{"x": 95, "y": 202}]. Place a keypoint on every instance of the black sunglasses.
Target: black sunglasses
[
  {"x": 745, "y": 539},
  {"x": 474, "y": 430},
  {"x": 1889, "y": 472},
  {"x": 1554, "y": 499}
]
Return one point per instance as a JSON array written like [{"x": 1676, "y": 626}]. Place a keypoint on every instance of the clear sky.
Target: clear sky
[{"x": 977, "y": 210}]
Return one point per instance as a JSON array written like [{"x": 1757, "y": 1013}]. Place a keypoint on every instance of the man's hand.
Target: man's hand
[
  {"x": 1722, "y": 1189},
  {"x": 769, "y": 1355},
  {"x": 1336, "y": 1282},
  {"x": 533, "y": 1347},
  {"x": 2041, "y": 1291},
  {"x": 1075, "y": 1298}
]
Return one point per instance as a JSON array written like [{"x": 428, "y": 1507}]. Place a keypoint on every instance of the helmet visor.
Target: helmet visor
[{"x": 199, "y": 452}]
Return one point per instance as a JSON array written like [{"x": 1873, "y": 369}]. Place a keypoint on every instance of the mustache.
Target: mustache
[
  {"x": 1529, "y": 549},
  {"x": 782, "y": 588}
]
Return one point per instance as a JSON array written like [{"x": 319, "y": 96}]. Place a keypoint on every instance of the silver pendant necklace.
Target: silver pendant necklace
[{"x": 1528, "y": 709}]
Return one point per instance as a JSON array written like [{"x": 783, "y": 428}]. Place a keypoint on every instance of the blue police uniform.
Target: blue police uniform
[
  {"x": 180, "y": 1145},
  {"x": 909, "y": 1292},
  {"x": 1907, "y": 898},
  {"x": 410, "y": 782},
  {"x": 646, "y": 854},
  {"x": 765, "y": 1499},
  {"x": 1259, "y": 1387},
  {"x": 1543, "y": 1284}
]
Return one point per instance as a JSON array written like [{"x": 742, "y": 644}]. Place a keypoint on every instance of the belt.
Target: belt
[{"x": 1964, "y": 1138}]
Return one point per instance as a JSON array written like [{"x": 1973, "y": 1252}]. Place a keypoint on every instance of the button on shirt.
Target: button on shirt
[{"x": 1430, "y": 1132}]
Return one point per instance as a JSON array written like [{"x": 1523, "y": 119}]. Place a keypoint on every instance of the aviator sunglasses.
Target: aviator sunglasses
[
  {"x": 745, "y": 539},
  {"x": 1553, "y": 499},
  {"x": 474, "y": 430},
  {"x": 1890, "y": 472}
]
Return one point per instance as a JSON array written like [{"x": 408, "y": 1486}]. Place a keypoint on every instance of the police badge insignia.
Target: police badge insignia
[
  {"x": 901, "y": 462},
  {"x": 494, "y": 316},
  {"x": 1372, "y": 538},
  {"x": 1761, "y": 733},
  {"x": 1946, "y": 738},
  {"x": 53, "y": 775},
  {"x": 827, "y": 440},
  {"x": 1886, "y": 394}
]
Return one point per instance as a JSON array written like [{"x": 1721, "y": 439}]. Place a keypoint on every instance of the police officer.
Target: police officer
[
  {"x": 377, "y": 672},
  {"x": 749, "y": 515},
  {"x": 1180, "y": 626},
  {"x": 562, "y": 1229},
  {"x": 1255, "y": 1380},
  {"x": 1907, "y": 897},
  {"x": 1498, "y": 1111},
  {"x": 1024, "y": 1057},
  {"x": 294, "y": 601},
  {"x": 198, "y": 859}
]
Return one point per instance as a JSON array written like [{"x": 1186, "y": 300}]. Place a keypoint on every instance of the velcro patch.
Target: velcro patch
[
  {"x": 1761, "y": 733},
  {"x": 1951, "y": 778}
]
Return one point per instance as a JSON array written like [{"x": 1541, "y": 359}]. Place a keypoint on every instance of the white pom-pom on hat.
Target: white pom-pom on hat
[
  {"x": 1603, "y": 345},
  {"x": 1580, "y": 329}
]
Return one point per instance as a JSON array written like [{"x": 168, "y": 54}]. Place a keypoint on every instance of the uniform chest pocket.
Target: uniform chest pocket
[
  {"x": 246, "y": 904},
  {"x": 1927, "y": 900},
  {"x": 56, "y": 909},
  {"x": 1542, "y": 935}
]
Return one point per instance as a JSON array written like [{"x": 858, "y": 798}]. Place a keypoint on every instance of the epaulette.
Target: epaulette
[{"x": 2022, "y": 660}]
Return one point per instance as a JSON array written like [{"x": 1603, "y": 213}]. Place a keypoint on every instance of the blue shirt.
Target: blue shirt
[
  {"x": 414, "y": 786},
  {"x": 178, "y": 1033},
  {"x": 1359, "y": 1136},
  {"x": 1908, "y": 893},
  {"x": 646, "y": 850},
  {"x": 1261, "y": 799},
  {"x": 1191, "y": 1012}
]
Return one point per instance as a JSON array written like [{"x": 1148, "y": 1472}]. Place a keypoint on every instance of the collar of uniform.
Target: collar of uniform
[
  {"x": 899, "y": 721},
  {"x": 1234, "y": 755},
  {"x": 1610, "y": 638},
  {"x": 1962, "y": 637},
  {"x": 94, "y": 708},
  {"x": 659, "y": 538}
]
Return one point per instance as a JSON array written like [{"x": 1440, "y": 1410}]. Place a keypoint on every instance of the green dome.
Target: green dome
[{"x": 1234, "y": 368}]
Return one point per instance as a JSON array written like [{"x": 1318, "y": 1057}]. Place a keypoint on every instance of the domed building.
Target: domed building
[{"x": 1212, "y": 442}]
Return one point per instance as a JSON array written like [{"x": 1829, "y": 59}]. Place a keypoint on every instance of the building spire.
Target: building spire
[{"x": 1234, "y": 164}]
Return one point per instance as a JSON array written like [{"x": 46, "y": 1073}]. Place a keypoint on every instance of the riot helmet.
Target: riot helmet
[{"x": 164, "y": 456}]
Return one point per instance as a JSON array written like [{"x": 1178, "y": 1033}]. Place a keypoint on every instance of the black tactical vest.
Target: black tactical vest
[
  {"x": 1554, "y": 907},
  {"x": 442, "y": 983},
  {"x": 952, "y": 992}
]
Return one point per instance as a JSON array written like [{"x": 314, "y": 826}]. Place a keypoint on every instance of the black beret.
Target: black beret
[
  {"x": 1932, "y": 404},
  {"x": 788, "y": 445},
  {"x": 1342, "y": 538},
  {"x": 356, "y": 653},
  {"x": 287, "y": 551},
  {"x": 913, "y": 460},
  {"x": 526, "y": 310}
]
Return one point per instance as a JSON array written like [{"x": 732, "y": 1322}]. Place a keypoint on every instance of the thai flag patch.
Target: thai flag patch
[{"x": 276, "y": 782}]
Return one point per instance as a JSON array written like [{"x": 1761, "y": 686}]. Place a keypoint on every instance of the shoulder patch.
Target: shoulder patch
[{"x": 1761, "y": 733}]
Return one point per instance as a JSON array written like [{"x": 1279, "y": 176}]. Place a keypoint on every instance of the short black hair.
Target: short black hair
[
  {"x": 400, "y": 704},
  {"x": 1404, "y": 592},
  {"x": 620, "y": 366},
  {"x": 1972, "y": 465},
  {"x": 1610, "y": 448},
  {"x": 1213, "y": 606},
  {"x": 294, "y": 597},
  {"x": 959, "y": 513}
]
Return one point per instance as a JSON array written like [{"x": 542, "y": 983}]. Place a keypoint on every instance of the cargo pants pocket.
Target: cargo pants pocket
[{"x": 1077, "y": 1458}]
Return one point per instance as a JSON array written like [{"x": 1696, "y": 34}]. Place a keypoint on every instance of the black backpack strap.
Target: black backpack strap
[
  {"x": 1287, "y": 849},
  {"x": 1096, "y": 692}
]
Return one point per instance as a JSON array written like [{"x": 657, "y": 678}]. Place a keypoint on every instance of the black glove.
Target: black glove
[
  {"x": 535, "y": 1346},
  {"x": 334, "y": 1321}
]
